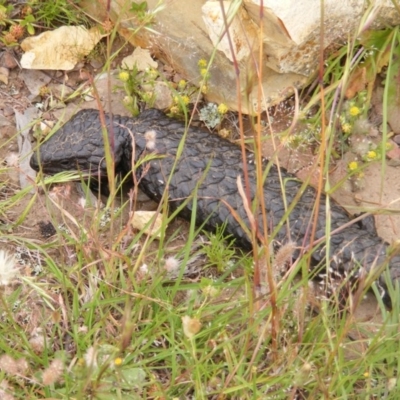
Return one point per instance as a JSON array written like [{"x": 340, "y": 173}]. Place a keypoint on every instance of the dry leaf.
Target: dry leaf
[{"x": 357, "y": 82}]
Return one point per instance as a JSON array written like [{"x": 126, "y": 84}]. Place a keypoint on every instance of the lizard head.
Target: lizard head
[{"x": 77, "y": 146}]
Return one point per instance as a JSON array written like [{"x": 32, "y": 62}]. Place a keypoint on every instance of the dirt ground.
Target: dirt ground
[{"x": 381, "y": 187}]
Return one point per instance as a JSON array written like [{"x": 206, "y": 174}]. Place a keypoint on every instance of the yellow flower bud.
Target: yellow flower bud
[
  {"x": 123, "y": 76},
  {"x": 222, "y": 109},
  {"x": 354, "y": 111},
  {"x": 353, "y": 165}
]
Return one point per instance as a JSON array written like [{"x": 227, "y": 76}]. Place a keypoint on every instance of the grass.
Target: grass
[{"x": 100, "y": 311}]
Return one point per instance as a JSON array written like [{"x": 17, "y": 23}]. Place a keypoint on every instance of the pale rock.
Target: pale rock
[
  {"x": 61, "y": 48},
  {"x": 242, "y": 31},
  {"x": 163, "y": 96},
  {"x": 183, "y": 32},
  {"x": 141, "y": 58},
  {"x": 34, "y": 80},
  {"x": 24, "y": 122},
  {"x": 4, "y": 72},
  {"x": 150, "y": 221}
]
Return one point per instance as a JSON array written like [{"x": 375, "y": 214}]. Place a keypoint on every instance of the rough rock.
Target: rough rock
[
  {"x": 61, "y": 48},
  {"x": 182, "y": 32}
]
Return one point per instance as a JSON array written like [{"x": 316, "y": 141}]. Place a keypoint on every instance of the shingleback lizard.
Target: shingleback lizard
[{"x": 213, "y": 164}]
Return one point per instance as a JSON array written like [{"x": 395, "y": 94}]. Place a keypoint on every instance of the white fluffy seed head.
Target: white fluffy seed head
[
  {"x": 150, "y": 135},
  {"x": 53, "y": 373},
  {"x": 171, "y": 264},
  {"x": 8, "y": 270},
  {"x": 91, "y": 357},
  {"x": 150, "y": 145}
]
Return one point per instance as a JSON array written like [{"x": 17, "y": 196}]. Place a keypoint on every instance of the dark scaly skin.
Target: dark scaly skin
[{"x": 216, "y": 163}]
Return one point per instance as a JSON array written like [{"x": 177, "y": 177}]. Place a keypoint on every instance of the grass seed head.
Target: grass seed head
[
  {"x": 53, "y": 373},
  {"x": 191, "y": 326},
  {"x": 150, "y": 137},
  {"x": 91, "y": 357},
  {"x": 5, "y": 391},
  {"x": 13, "y": 367},
  {"x": 8, "y": 365},
  {"x": 8, "y": 270},
  {"x": 284, "y": 255},
  {"x": 37, "y": 341},
  {"x": 171, "y": 265}
]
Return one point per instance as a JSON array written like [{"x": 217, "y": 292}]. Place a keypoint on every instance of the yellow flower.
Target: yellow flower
[
  {"x": 202, "y": 63},
  {"x": 152, "y": 74},
  {"x": 118, "y": 361},
  {"x": 353, "y": 165},
  {"x": 347, "y": 128},
  {"x": 81, "y": 362},
  {"x": 203, "y": 88},
  {"x": 203, "y": 72},
  {"x": 123, "y": 76},
  {"x": 174, "y": 110},
  {"x": 182, "y": 84},
  {"x": 44, "y": 90},
  {"x": 222, "y": 109},
  {"x": 184, "y": 99},
  {"x": 371, "y": 155},
  {"x": 354, "y": 111}
]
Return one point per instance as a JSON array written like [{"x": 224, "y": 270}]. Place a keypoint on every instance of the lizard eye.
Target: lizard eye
[{"x": 64, "y": 164}]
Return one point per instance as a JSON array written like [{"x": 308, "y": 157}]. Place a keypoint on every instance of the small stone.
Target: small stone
[
  {"x": 34, "y": 80},
  {"x": 78, "y": 66},
  {"x": 47, "y": 116},
  {"x": 4, "y": 121},
  {"x": 8, "y": 60},
  {"x": 4, "y": 72},
  {"x": 393, "y": 155},
  {"x": 8, "y": 111},
  {"x": 84, "y": 75},
  {"x": 47, "y": 229},
  {"x": 396, "y": 139},
  {"x": 7, "y": 131},
  {"x": 34, "y": 98},
  {"x": 96, "y": 63},
  {"x": 163, "y": 96}
]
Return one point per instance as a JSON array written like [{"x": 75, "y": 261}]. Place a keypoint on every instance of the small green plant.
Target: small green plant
[
  {"x": 139, "y": 86},
  {"x": 57, "y": 12},
  {"x": 139, "y": 9},
  {"x": 13, "y": 29},
  {"x": 16, "y": 20},
  {"x": 353, "y": 112},
  {"x": 213, "y": 115},
  {"x": 220, "y": 250}
]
